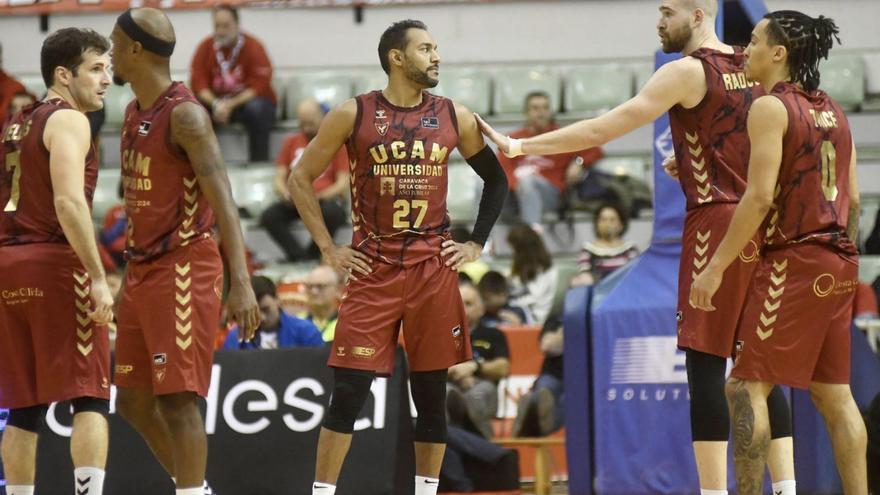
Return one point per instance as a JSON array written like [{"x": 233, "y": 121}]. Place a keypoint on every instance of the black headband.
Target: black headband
[{"x": 149, "y": 42}]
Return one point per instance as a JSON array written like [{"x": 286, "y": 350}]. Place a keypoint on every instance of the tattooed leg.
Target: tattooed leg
[{"x": 751, "y": 433}]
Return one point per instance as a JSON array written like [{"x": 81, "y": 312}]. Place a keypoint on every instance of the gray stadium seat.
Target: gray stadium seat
[
  {"x": 512, "y": 84},
  {"x": 463, "y": 196},
  {"x": 642, "y": 72},
  {"x": 843, "y": 78},
  {"x": 252, "y": 187},
  {"x": 327, "y": 87},
  {"x": 471, "y": 87},
  {"x": 115, "y": 101},
  {"x": 34, "y": 85},
  {"x": 279, "y": 84},
  {"x": 106, "y": 193},
  {"x": 369, "y": 81},
  {"x": 637, "y": 168},
  {"x": 596, "y": 88}
]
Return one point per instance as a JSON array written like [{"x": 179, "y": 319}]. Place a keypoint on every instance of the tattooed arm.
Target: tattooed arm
[{"x": 191, "y": 129}]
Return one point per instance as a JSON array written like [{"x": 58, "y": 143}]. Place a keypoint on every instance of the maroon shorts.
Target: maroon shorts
[
  {"x": 50, "y": 349},
  {"x": 423, "y": 299},
  {"x": 712, "y": 332},
  {"x": 168, "y": 319},
  {"x": 795, "y": 327}
]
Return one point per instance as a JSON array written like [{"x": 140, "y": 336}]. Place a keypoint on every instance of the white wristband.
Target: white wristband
[{"x": 514, "y": 147}]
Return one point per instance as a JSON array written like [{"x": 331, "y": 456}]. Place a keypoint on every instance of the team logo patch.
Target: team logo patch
[
  {"x": 678, "y": 316},
  {"x": 386, "y": 186},
  {"x": 381, "y": 127},
  {"x": 456, "y": 331},
  {"x": 144, "y": 128},
  {"x": 430, "y": 122},
  {"x": 340, "y": 351},
  {"x": 365, "y": 352},
  {"x": 739, "y": 345},
  {"x": 824, "y": 284},
  {"x": 123, "y": 369}
]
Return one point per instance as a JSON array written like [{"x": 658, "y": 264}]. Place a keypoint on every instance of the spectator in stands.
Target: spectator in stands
[
  {"x": 533, "y": 277},
  {"x": 540, "y": 411},
  {"x": 495, "y": 293},
  {"x": 112, "y": 235},
  {"x": 323, "y": 294},
  {"x": 9, "y": 89},
  {"x": 232, "y": 76},
  {"x": 278, "y": 329},
  {"x": 472, "y": 389},
  {"x": 609, "y": 251},
  {"x": 331, "y": 187},
  {"x": 540, "y": 182}
]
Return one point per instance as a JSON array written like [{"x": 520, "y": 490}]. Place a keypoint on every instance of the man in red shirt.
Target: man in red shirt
[
  {"x": 331, "y": 186},
  {"x": 9, "y": 89},
  {"x": 231, "y": 74},
  {"x": 539, "y": 181}
]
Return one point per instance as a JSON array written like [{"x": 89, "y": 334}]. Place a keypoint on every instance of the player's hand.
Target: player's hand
[
  {"x": 344, "y": 258},
  {"x": 102, "y": 298},
  {"x": 460, "y": 253},
  {"x": 704, "y": 288},
  {"x": 670, "y": 166},
  {"x": 461, "y": 371},
  {"x": 242, "y": 308},
  {"x": 500, "y": 140}
]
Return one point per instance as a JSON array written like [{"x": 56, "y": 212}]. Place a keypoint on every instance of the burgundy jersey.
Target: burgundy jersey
[
  {"x": 811, "y": 200},
  {"x": 26, "y": 194},
  {"x": 163, "y": 202},
  {"x": 711, "y": 139},
  {"x": 398, "y": 158}
]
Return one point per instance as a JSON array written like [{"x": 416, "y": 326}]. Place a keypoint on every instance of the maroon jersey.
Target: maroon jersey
[
  {"x": 26, "y": 194},
  {"x": 163, "y": 202},
  {"x": 811, "y": 200},
  {"x": 711, "y": 139},
  {"x": 398, "y": 158}
]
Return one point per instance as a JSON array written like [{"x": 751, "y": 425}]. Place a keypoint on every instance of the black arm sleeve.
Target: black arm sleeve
[{"x": 486, "y": 165}]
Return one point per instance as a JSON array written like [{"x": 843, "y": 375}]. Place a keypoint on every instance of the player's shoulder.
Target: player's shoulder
[
  {"x": 768, "y": 105},
  {"x": 685, "y": 67},
  {"x": 67, "y": 119}
]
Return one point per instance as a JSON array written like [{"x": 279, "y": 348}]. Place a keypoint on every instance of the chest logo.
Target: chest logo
[
  {"x": 144, "y": 128},
  {"x": 430, "y": 122},
  {"x": 381, "y": 123}
]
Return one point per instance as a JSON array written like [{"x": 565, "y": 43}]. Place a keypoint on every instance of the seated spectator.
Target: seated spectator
[
  {"x": 540, "y": 411},
  {"x": 609, "y": 251},
  {"x": 472, "y": 389},
  {"x": 112, "y": 235},
  {"x": 231, "y": 75},
  {"x": 331, "y": 187},
  {"x": 323, "y": 294},
  {"x": 495, "y": 293},
  {"x": 277, "y": 329},
  {"x": 533, "y": 277},
  {"x": 865, "y": 302},
  {"x": 10, "y": 88},
  {"x": 539, "y": 183}
]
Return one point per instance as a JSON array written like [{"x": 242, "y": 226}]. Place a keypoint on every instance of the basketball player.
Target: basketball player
[
  {"x": 795, "y": 327},
  {"x": 402, "y": 258},
  {"x": 54, "y": 344},
  {"x": 175, "y": 182},
  {"x": 707, "y": 97}
]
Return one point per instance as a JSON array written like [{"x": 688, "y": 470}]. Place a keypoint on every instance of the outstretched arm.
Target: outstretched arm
[
  {"x": 674, "y": 83},
  {"x": 767, "y": 123},
  {"x": 191, "y": 129}
]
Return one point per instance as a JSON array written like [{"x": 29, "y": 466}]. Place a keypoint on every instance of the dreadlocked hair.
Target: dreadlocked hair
[{"x": 807, "y": 40}]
